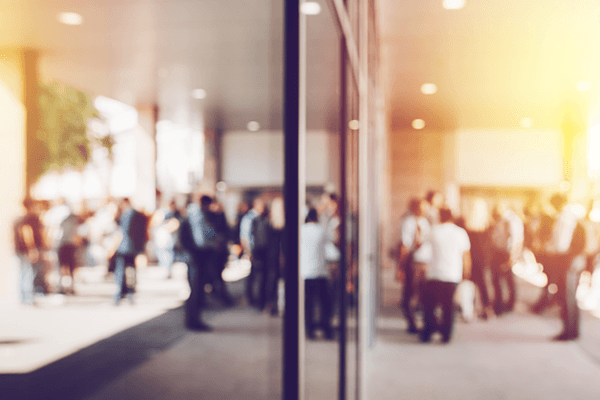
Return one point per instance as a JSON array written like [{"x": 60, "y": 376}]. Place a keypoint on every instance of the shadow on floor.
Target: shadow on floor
[{"x": 88, "y": 370}]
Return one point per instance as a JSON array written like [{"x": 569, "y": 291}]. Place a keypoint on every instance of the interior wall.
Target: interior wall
[
  {"x": 416, "y": 164},
  {"x": 509, "y": 157},
  {"x": 256, "y": 158},
  {"x": 12, "y": 167}
]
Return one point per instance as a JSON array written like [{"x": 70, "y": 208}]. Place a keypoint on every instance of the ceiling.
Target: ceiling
[
  {"x": 159, "y": 51},
  {"x": 494, "y": 62}
]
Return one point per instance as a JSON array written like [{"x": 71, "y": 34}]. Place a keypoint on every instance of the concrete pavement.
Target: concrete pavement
[{"x": 510, "y": 357}]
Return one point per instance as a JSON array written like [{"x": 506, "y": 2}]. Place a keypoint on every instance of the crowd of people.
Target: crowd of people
[
  {"x": 52, "y": 240},
  {"x": 437, "y": 252}
]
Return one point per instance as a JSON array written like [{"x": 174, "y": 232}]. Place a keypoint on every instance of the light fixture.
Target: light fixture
[
  {"x": 418, "y": 123},
  {"x": 526, "y": 123},
  {"x": 354, "y": 125},
  {"x": 310, "y": 8},
  {"x": 428, "y": 88},
  {"x": 453, "y": 4},
  {"x": 70, "y": 18},
  {"x": 253, "y": 126},
  {"x": 199, "y": 94},
  {"x": 221, "y": 186},
  {"x": 584, "y": 86}
]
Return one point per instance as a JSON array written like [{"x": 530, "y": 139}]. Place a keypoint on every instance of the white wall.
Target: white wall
[
  {"x": 500, "y": 157},
  {"x": 12, "y": 170},
  {"x": 256, "y": 158}
]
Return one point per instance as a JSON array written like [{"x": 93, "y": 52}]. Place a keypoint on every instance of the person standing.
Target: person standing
[
  {"x": 566, "y": 247},
  {"x": 218, "y": 221},
  {"x": 415, "y": 254},
  {"x": 28, "y": 248},
  {"x": 507, "y": 237},
  {"x": 435, "y": 201},
  {"x": 276, "y": 253},
  {"x": 254, "y": 239},
  {"x": 313, "y": 270},
  {"x": 134, "y": 235},
  {"x": 199, "y": 238},
  {"x": 450, "y": 262},
  {"x": 68, "y": 245},
  {"x": 164, "y": 225}
]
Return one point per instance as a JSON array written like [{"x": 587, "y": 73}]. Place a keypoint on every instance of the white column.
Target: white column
[{"x": 12, "y": 168}]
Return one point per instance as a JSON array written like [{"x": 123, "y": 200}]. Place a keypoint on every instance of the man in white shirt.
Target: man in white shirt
[
  {"x": 450, "y": 257},
  {"x": 314, "y": 272},
  {"x": 415, "y": 254}
]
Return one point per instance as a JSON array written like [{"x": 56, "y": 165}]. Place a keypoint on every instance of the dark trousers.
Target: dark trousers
[
  {"x": 213, "y": 274},
  {"x": 258, "y": 273},
  {"x": 438, "y": 293},
  {"x": 560, "y": 271},
  {"x": 315, "y": 290},
  {"x": 567, "y": 283},
  {"x": 502, "y": 272},
  {"x": 201, "y": 259},
  {"x": 411, "y": 289},
  {"x": 274, "y": 267},
  {"x": 478, "y": 278},
  {"x": 67, "y": 254},
  {"x": 125, "y": 282}
]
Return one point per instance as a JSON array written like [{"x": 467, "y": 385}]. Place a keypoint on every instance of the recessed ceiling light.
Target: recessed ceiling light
[
  {"x": 428, "y": 88},
  {"x": 584, "y": 86},
  {"x": 199, "y": 94},
  {"x": 310, "y": 8},
  {"x": 418, "y": 123},
  {"x": 253, "y": 126},
  {"x": 526, "y": 123},
  {"x": 354, "y": 124},
  {"x": 70, "y": 18},
  {"x": 453, "y": 4},
  {"x": 221, "y": 186}
]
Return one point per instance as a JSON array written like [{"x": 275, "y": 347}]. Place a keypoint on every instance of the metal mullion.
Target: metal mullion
[
  {"x": 345, "y": 26},
  {"x": 291, "y": 323},
  {"x": 342, "y": 213}
]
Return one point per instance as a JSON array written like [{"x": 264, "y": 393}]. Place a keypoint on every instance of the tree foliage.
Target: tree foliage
[{"x": 63, "y": 128}]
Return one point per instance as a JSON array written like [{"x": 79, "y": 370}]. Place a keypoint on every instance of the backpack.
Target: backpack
[
  {"x": 186, "y": 238},
  {"x": 138, "y": 231}
]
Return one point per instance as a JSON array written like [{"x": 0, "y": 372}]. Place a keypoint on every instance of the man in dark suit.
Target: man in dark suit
[{"x": 133, "y": 229}]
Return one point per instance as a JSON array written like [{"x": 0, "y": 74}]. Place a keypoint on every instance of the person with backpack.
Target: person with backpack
[
  {"x": 254, "y": 236},
  {"x": 29, "y": 245},
  {"x": 133, "y": 226},
  {"x": 198, "y": 237}
]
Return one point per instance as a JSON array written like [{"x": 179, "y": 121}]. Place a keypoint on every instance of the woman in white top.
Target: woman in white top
[{"x": 314, "y": 271}]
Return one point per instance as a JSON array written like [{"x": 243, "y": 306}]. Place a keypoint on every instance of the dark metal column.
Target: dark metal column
[
  {"x": 291, "y": 338},
  {"x": 342, "y": 212}
]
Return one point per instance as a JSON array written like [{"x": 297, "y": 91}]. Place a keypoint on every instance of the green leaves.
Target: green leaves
[{"x": 64, "y": 115}]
